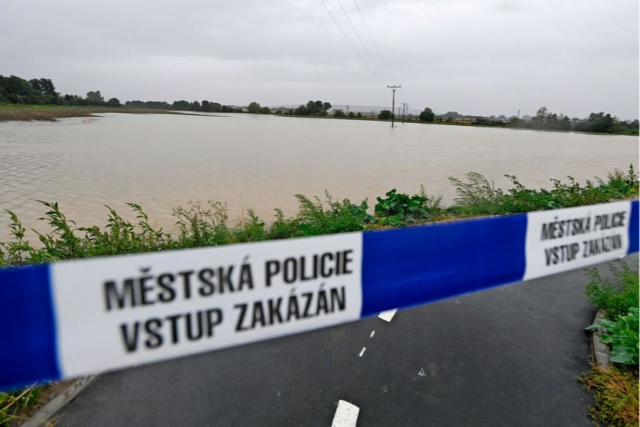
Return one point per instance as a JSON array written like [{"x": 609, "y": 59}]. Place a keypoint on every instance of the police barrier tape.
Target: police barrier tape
[{"x": 77, "y": 317}]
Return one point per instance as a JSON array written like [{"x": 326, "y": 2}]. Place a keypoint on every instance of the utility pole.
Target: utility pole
[
  {"x": 393, "y": 102},
  {"x": 405, "y": 110},
  {"x": 347, "y": 110}
]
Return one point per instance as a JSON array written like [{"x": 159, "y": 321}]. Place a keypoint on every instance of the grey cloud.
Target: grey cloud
[{"x": 482, "y": 57}]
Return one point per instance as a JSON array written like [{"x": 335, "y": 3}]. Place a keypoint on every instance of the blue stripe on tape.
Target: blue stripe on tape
[
  {"x": 28, "y": 346},
  {"x": 633, "y": 228},
  {"x": 415, "y": 265}
]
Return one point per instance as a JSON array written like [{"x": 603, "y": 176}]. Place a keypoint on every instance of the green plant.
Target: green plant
[
  {"x": 615, "y": 394},
  {"x": 622, "y": 336},
  {"x": 397, "y": 209},
  {"x": 337, "y": 217},
  {"x": 13, "y": 403},
  {"x": 478, "y": 194},
  {"x": 614, "y": 295}
]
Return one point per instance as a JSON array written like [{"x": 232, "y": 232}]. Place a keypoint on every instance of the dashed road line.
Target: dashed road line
[
  {"x": 362, "y": 351},
  {"x": 346, "y": 415},
  {"x": 372, "y": 334},
  {"x": 388, "y": 315}
]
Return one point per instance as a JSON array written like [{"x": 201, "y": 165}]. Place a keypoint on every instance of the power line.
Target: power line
[
  {"x": 359, "y": 38},
  {"x": 374, "y": 42},
  {"x": 352, "y": 46}
]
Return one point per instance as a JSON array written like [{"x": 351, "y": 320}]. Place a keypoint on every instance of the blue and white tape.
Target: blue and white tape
[{"x": 78, "y": 317}]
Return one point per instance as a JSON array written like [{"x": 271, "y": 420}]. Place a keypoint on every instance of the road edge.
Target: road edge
[
  {"x": 45, "y": 413},
  {"x": 600, "y": 351}
]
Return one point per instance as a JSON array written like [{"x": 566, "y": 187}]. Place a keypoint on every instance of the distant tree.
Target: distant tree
[
  {"x": 326, "y": 106},
  {"x": 113, "y": 102},
  {"x": 516, "y": 122},
  {"x": 181, "y": 105},
  {"x": 352, "y": 115},
  {"x": 450, "y": 115},
  {"x": 359, "y": 115},
  {"x": 564, "y": 123},
  {"x": 195, "y": 106},
  {"x": 206, "y": 105},
  {"x": 324, "y": 113},
  {"x": 95, "y": 98},
  {"x": 226, "y": 109},
  {"x": 384, "y": 115},
  {"x": 339, "y": 113},
  {"x": 265, "y": 110},
  {"x": 16, "y": 90},
  {"x": 254, "y": 108},
  {"x": 301, "y": 111},
  {"x": 599, "y": 122},
  {"x": 427, "y": 115},
  {"x": 539, "y": 121}
]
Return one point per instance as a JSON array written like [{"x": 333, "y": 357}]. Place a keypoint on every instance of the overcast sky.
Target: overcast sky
[{"x": 475, "y": 57}]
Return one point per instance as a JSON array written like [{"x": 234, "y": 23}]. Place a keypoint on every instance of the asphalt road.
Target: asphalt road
[{"x": 504, "y": 357}]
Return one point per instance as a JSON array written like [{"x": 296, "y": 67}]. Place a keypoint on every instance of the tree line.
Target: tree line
[
  {"x": 543, "y": 120},
  {"x": 16, "y": 90},
  {"x": 596, "y": 122}
]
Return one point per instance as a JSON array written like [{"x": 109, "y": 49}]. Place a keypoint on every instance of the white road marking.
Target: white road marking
[
  {"x": 388, "y": 315},
  {"x": 346, "y": 415},
  {"x": 362, "y": 351},
  {"x": 422, "y": 373},
  {"x": 372, "y": 334}
]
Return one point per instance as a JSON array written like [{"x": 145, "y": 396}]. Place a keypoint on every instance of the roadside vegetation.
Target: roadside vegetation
[
  {"x": 208, "y": 224},
  {"x": 615, "y": 389},
  {"x": 13, "y": 405}
]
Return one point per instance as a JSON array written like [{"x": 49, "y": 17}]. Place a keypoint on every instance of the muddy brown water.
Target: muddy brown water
[{"x": 260, "y": 162}]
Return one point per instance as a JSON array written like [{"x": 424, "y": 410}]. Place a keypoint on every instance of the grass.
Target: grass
[
  {"x": 615, "y": 394},
  {"x": 25, "y": 113},
  {"x": 12, "y": 405},
  {"x": 208, "y": 224},
  {"x": 614, "y": 295}
]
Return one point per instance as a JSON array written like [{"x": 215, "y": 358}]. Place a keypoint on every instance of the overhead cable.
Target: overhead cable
[
  {"x": 352, "y": 46},
  {"x": 373, "y": 41}
]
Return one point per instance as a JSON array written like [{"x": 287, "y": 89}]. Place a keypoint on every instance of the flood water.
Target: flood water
[{"x": 260, "y": 162}]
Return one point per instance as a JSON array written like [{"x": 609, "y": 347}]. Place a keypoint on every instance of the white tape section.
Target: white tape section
[
  {"x": 120, "y": 311},
  {"x": 566, "y": 239}
]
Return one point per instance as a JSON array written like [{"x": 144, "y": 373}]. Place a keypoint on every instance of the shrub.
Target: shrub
[
  {"x": 615, "y": 394},
  {"x": 399, "y": 208},
  {"x": 615, "y": 295},
  {"x": 478, "y": 195},
  {"x": 338, "y": 217}
]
